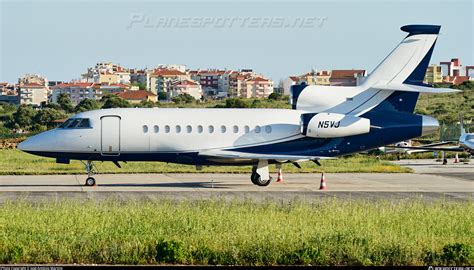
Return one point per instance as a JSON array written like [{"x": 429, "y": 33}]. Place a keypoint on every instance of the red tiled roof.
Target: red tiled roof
[
  {"x": 258, "y": 79},
  {"x": 74, "y": 84},
  {"x": 187, "y": 82},
  {"x": 139, "y": 94},
  {"x": 345, "y": 74},
  {"x": 323, "y": 73},
  {"x": 455, "y": 79},
  {"x": 167, "y": 72},
  {"x": 209, "y": 72},
  {"x": 119, "y": 85},
  {"x": 294, "y": 78},
  {"x": 32, "y": 85}
]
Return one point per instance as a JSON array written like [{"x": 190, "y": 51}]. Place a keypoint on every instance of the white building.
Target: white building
[
  {"x": 33, "y": 93},
  {"x": 77, "y": 91},
  {"x": 288, "y": 82},
  {"x": 189, "y": 87},
  {"x": 257, "y": 87}
]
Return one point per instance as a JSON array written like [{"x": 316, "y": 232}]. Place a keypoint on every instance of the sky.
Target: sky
[{"x": 61, "y": 39}]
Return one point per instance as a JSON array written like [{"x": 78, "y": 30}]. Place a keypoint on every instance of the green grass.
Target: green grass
[
  {"x": 15, "y": 162},
  {"x": 331, "y": 232},
  {"x": 447, "y": 107}
]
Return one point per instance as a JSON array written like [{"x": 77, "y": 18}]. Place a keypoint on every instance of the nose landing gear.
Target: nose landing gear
[{"x": 91, "y": 170}]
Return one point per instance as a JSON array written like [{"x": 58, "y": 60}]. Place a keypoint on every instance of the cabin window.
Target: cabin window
[
  {"x": 247, "y": 129},
  {"x": 200, "y": 129},
  {"x": 223, "y": 129},
  {"x": 236, "y": 129},
  {"x": 167, "y": 129},
  {"x": 268, "y": 129},
  {"x": 211, "y": 129},
  {"x": 178, "y": 129},
  {"x": 145, "y": 128},
  {"x": 156, "y": 128},
  {"x": 76, "y": 123},
  {"x": 257, "y": 129},
  {"x": 189, "y": 129},
  {"x": 85, "y": 123}
]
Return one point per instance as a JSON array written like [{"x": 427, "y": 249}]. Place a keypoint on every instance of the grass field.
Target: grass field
[
  {"x": 15, "y": 162},
  {"x": 331, "y": 232}
]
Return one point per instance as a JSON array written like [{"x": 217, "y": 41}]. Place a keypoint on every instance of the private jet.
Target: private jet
[
  {"x": 324, "y": 122},
  {"x": 465, "y": 144}
]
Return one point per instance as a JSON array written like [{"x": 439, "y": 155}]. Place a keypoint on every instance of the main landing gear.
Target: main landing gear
[
  {"x": 91, "y": 170},
  {"x": 260, "y": 175}
]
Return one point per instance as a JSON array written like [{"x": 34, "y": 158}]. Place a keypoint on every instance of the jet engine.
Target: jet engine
[{"x": 333, "y": 125}]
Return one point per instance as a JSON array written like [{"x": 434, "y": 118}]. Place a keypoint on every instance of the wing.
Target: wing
[{"x": 243, "y": 155}]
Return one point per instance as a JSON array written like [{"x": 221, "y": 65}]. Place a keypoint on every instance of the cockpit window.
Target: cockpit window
[{"x": 76, "y": 123}]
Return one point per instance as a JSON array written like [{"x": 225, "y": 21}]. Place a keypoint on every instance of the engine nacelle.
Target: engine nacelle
[{"x": 333, "y": 125}]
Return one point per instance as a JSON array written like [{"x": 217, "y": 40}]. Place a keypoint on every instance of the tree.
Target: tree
[
  {"x": 162, "y": 96},
  {"x": 236, "y": 103},
  {"x": 87, "y": 105},
  {"x": 113, "y": 101},
  {"x": 24, "y": 116},
  {"x": 6, "y": 108},
  {"x": 147, "y": 104},
  {"x": 275, "y": 96},
  {"x": 467, "y": 85},
  {"x": 65, "y": 102},
  {"x": 183, "y": 98},
  {"x": 141, "y": 86},
  {"x": 46, "y": 117}
]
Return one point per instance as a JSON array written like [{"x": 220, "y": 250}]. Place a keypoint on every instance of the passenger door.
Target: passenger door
[{"x": 110, "y": 135}]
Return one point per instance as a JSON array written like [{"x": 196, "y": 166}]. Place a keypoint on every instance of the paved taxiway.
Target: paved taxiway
[{"x": 431, "y": 180}]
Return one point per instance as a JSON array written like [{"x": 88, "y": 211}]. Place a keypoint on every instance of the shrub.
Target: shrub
[
  {"x": 169, "y": 251},
  {"x": 457, "y": 254}
]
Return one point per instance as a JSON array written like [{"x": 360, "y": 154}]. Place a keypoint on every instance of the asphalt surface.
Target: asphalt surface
[{"x": 431, "y": 181}]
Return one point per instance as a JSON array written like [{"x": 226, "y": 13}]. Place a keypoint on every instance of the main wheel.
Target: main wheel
[
  {"x": 90, "y": 181},
  {"x": 257, "y": 180}
]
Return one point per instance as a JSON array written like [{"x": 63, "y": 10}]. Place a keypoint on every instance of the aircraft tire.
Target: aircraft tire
[
  {"x": 90, "y": 182},
  {"x": 257, "y": 180}
]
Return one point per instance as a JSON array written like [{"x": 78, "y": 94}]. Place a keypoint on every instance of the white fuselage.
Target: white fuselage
[{"x": 171, "y": 130}]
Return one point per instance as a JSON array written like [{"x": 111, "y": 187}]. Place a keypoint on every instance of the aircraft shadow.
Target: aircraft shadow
[
  {"x": 42, "y": 185},
  {"x": 204, "y": 185},
  {"x": 210, "y": 185}
]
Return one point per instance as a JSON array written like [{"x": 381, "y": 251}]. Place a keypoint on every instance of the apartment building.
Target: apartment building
[
  {"x": 434, "y": 74},
  {"x": 257, "y": 87},
  {"x": 135, "y": 97},
  {"x": 161, "y": 80},
  {"x": 189, "y": 87},
  {"x": 349, "y": 77},
  {"x": 323, "y": 77},
  {"x": 288, "y": 83},
  {"x": 33, "y": 79},
  {"x": 77, "y": 91},
  {"x": 32, "y": 93}
]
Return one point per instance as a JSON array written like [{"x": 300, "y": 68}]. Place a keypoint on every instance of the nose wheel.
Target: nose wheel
[
  {"x": 90, "y": 181},
  {"x": 91, "y": 170}
]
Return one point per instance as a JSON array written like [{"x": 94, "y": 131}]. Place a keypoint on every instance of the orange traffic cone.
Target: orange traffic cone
[
  {"x": 322, "y": 186},
  {"x": 456, "y": 159},
  {"x": 280, "y": 176}
]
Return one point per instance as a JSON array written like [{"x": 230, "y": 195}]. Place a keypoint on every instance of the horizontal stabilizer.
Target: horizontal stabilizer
[
  {"x": 243, "y": 155},
  {"x": 414, "y": 88}
]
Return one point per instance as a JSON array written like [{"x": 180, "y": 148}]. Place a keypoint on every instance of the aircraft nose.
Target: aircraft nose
[
  {"x": 24, "y": 145},
  {"x": 40, "y": 142}
]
